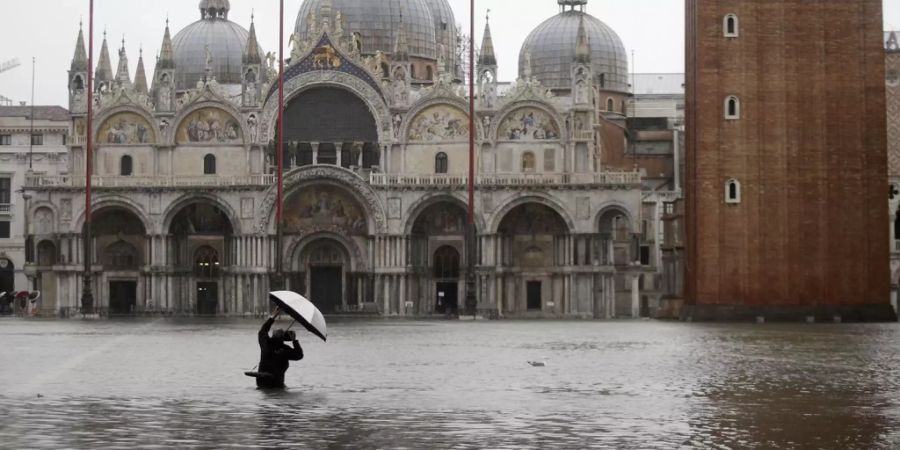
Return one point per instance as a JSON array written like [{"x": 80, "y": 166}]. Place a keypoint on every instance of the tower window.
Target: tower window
[
  {"x": 528, "y": 162},
  {"x": 440, "y": 163},
  {"x": 732, "y": 26},
  {"x": 209, "y": 164},
  {"x": 732, "y": 108},
  {"x": 610, "y": 105},
  {"x": 732, "y": 192},
  {"x": 126, "y": 166}
]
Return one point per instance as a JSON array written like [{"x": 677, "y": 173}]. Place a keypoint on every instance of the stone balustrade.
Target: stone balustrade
[
  {"x": 98, "y": 181},
  {"x": 508, "y": 180}
]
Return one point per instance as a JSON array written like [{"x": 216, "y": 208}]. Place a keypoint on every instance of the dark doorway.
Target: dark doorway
[
  {"x": 447, "y": 300},
  {"x": 326, "y": 288},
  {"x": 7, "y": 285},
  {"x": 122, "y": 297},
  {"x": 207, "y": 298},
  {"x": 533, "y": 289}
]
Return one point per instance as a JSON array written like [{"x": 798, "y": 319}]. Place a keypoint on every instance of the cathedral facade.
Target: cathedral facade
[{"x": 376, "y": 134}]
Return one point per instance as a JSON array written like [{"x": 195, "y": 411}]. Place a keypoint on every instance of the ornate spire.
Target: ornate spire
[
  {"x": 251, "y": 51},
  {"x": 487, "y": 58},
  {"x": 401, "y": 49},
  {"x": 122, "y": 76},
  {"x": 104, "y": 66},
  {"x": 140, "y": 77},
  {"x": 79, "y": 61},
  {"x": 166, "y": 58},
  {"x": 583, "y": 46}
]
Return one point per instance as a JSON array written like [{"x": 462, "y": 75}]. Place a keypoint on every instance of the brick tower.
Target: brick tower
[{"x": 786, "y": 161}]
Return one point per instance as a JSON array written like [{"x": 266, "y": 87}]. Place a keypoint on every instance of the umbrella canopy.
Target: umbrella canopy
[{"x": 302, "y": 310}]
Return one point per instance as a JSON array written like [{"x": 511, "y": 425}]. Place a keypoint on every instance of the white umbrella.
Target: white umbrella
[{"x": 302, "y": 310}]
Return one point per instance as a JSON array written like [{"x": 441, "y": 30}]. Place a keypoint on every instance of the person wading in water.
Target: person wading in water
[{"x": 275, "y": 356}]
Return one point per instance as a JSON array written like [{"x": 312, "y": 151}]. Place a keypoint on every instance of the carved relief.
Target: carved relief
[
  {"x": 324, "y": 208},
  {"x": 126, "y": 128},
  {"x": 247, "y": 208},
  {"x": 439, "y": 123},
  {"x": 528, "y": 124},
  {"x": 43, "y": 221},
  {"x": 209, "y": 126},
  {"x": 65, "y": 208},
  {"x": 395, "y": 206}
]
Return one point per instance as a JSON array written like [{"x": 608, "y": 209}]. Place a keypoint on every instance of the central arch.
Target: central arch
[
  {"x": 437, "y": 253},
  {"x": 120, "y": 237},
  {"x": 326, "y": 267}
]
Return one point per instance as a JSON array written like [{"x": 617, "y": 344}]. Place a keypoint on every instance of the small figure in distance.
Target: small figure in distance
[{"x": 275, "y": 356}]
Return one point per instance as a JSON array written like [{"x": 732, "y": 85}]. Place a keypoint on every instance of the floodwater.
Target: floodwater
[{"x": 155, "y": 383}]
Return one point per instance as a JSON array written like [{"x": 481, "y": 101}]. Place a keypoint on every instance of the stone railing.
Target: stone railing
[
  {"x": 6, "y": 209},
  {"x": 508, "y": 180},
  {"x": 98, "y": 181}
]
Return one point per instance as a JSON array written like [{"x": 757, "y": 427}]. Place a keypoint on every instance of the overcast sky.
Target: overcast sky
[{"x": 47, "y": 29}]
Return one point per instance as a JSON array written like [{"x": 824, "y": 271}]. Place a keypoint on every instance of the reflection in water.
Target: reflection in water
[{"x": 451, "y": 384}]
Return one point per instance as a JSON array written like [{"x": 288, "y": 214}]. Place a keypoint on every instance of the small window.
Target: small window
[
  {"x": 440, "y": 163},
  {"x": 5, "y": 139},
  {"x": 37, "y": 139},
  {"x": 209, "y": 164},
  {"x": 731, "y": 25},
  {"x": 732, "y": 108},
  {"x": 126, "y": 166},
  {"x": 603, "y": 80},
  {"x": 610, "y": 105},
  {"x": 5, "y": 190},
  {"x": 65, "y": 139},
  {"x": 528, "y": 162},
  {"x": 645, "y": 255},
  {"x": 732, "y": 192},
  {"x": 4, "y": 230},
  {"x": 429, "y": 74},
  {"x": 412, "y": 72}
]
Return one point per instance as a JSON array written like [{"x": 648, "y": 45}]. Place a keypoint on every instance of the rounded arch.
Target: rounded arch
[
  {"x": 208, "y": 123},
  {"x": 446, "y": 262},
  {"x": 296, "y": 249},
  {"x": 42, "y": 222},
  {"x": 415, "y": 210},
  {"x": 427, "y": 104},
  {"x": 615, "y": 222},
  {"x": 296, "y": 86},
  {"x": 46, "y": 253},
  {"x": 533, "y": 198},
  {"x": 189, "y": 199},
  {"x": 342, "y": 178},
  {"x": 507, "y": 113},
  {"x": 145, "y": 134},
  {"x": 613, "y": 207},
  {"x": 113, "y": 202},
  {"x": 207, "y": 263}
]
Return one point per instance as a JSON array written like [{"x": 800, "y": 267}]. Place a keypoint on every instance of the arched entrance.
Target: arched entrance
[
  {"x": 615, "y": 229},
  {"x": 120, "y": 237},
  {"x": 199, "y": 236},
  {"x": 533, "y": 241},
  {"x": 437, "y": 254},
  {"x": 321, "y": 271},
  {"x": 329, "y": 125}
]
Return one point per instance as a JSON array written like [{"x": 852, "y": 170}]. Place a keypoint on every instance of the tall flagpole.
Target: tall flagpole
[
  {"x": 87, "y": 295},
  {"x": 471, "y": 231},
  {"x": 279, "y": 209}
]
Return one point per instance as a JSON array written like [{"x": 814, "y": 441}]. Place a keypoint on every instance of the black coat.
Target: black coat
[{"x": 275, "y": 358}]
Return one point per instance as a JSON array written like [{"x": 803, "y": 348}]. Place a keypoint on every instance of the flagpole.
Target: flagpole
[
  {"x": 87, "y": 295},
  {"x": 471, "y": 231},
  {"x": 279, "y": 210}
]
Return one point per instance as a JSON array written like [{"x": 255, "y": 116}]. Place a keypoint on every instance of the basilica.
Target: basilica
[{"x": 376, "y": 155}]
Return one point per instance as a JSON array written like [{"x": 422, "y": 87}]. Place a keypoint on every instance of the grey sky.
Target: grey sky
[{"x": 47, "y": 29}]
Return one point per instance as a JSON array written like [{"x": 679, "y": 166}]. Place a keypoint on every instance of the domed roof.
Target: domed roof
[
  {"x": 552, "y": 45},
  {"x": 378, "y": 22},
  {"x": 226, "y": 41},
  {"x": 444, "y": 28}
]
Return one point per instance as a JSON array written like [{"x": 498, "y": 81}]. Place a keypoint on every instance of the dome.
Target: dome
[
  {"x": 552, "y": 49},
  {"x": 226, "y": 41},
  {"x": 445, "y": 29},
  {"x": 378, "y": 23}
]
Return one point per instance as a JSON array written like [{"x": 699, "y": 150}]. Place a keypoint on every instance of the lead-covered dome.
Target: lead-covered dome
[
  {"x": 378, "y": 23},
  {"x": 226, "y": 41},
  {"x": 551, "y": 47},
  {"x": 445, "y": 30}
]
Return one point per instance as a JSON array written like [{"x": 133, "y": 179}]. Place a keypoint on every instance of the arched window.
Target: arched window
[
  {"x": 732, "y": 192},
  {"x": 78, "y": 82},
  {"x": 126, "y": 166},
  {"x": 528, "y": 162},
  {"x": 121, "y": 256},
  {"x": 209, "y": 164},
  {"x": 732, "y": 108},
  {"x": 610, "y": 105},
  {"x": 429, "y": 74},
  {"x": 440, "y": 163},
  {"x": 46, "y": 253},
  {"x": 412, "y": 71},
  {"x": 602, "y": 80},
  {"x": 206, "y": 262},
  {"x": 446, "y": 263},
  {"x": 731, "y": 26}
]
